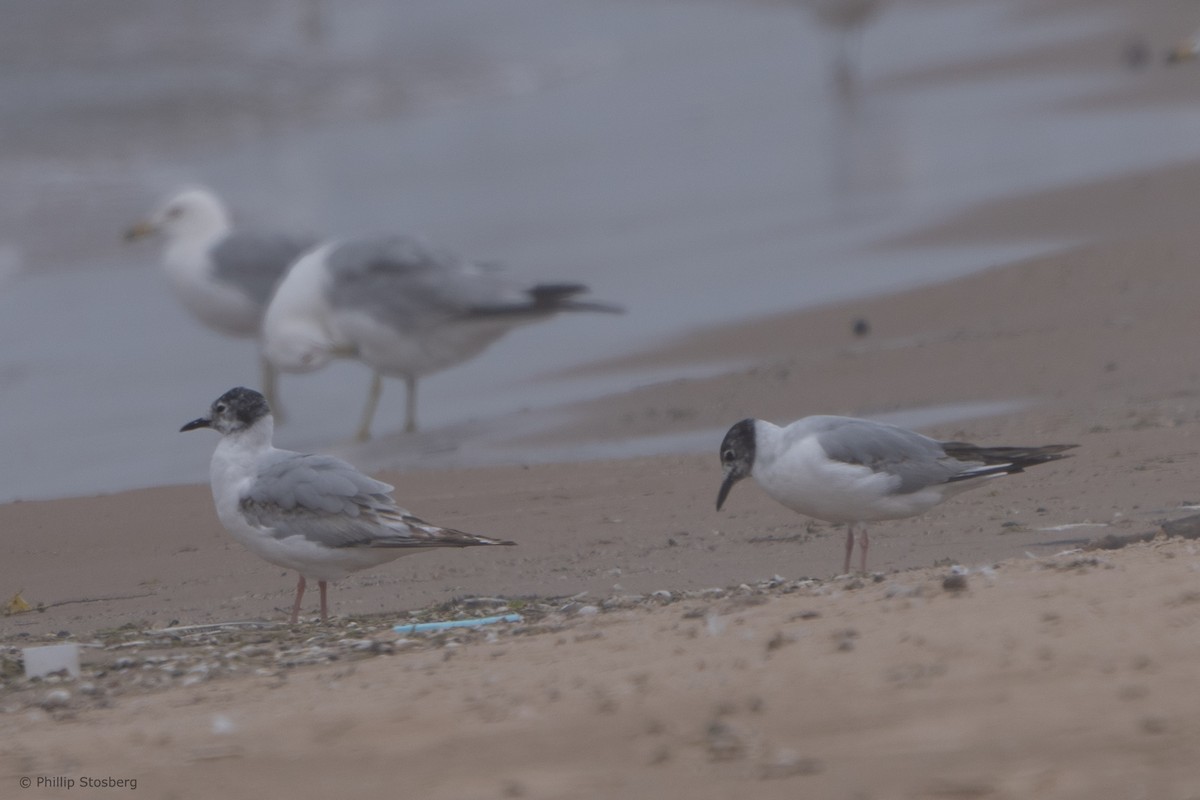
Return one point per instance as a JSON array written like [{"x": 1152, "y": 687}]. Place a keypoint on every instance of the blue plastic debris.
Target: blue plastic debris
[{"x": 425, "y": 627}]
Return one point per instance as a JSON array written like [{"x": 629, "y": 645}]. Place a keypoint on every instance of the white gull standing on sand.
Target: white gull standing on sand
[
  {"x": 224, "y": 277},
  {"x": 315, "y": 514},
  {"x": 842, "y": 469},
  {"x": 402, "y": 308}
]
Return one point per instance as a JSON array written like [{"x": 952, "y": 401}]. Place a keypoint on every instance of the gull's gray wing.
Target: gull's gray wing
[
  {"x": 329, "y": 502},
  {"x": 408, "y": 285},
  {"x": 917, "y": 461},
  {"x": 255, "y": 262}
]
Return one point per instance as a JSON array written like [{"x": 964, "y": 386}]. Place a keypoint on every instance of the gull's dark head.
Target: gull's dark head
[
  {"x": 234, "y": 411},
  {"x": 737, "y": 457}
]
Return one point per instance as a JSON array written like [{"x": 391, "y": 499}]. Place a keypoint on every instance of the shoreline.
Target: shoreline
[{"x": 1092, "y": 344}]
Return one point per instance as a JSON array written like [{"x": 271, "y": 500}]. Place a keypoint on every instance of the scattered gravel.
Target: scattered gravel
[{"x": 131, "y": 660}]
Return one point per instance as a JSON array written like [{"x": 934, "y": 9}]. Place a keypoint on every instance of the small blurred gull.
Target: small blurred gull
[
  {"x": 842, "y": 469},
  {"x": 848, "y": 19},
  {"x": 224, "y": 277},
  {"x": 402, "y": 308},
  {"x": 843, "y": 15},
  {"x": 315, "y": 514}
]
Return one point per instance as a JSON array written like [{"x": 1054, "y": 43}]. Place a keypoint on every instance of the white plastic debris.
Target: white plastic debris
[
  {"x": 42, "y": 661},
  {"x": 222, "y": 725}
]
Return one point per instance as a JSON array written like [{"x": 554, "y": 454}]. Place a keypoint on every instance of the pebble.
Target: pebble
[
  {"x": 786, "y": 764},
  {"x": 956, "y": 582},
  {"x": 724, "y": 742}
]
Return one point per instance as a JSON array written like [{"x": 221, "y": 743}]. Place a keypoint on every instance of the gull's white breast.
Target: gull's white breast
[{"x": 297, "y": 320}]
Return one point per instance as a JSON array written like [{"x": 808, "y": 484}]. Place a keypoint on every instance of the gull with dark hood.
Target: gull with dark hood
[
  {"x": 841, "y": 469},
  {"x": 314, "y": 514}
]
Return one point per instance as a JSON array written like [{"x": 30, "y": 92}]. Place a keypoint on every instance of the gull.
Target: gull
[
  {"x": 401, "y": 307},
  {"x": 314, "y": 514},
  {"x": 224, "y": 277},
  {"x": 848, "y": 18},
  {"x": 842, "y": 469}
]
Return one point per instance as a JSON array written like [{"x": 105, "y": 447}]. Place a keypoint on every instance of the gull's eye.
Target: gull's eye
[
  {"x": 220, "y": 408},
  {"x": 727, "y": 456},
  {"x": 174, "y": 211}
]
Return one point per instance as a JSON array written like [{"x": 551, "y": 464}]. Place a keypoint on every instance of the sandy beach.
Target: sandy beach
[{"x": 671, "y": 651}]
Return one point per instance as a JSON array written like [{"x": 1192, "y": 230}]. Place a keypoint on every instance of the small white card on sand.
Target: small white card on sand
[{"x": 41, "y": 661}]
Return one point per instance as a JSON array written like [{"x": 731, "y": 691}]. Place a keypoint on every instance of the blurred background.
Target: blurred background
[{"x": 698, "y": 161}]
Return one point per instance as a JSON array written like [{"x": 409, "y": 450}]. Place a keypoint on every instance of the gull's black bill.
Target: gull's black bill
[
  {"x": 726, "y": 485},
  {"x": 203, "y": 422}
]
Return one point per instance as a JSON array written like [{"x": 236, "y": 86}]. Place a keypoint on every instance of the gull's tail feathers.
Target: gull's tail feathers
[{"x": 1002, "y": 460}]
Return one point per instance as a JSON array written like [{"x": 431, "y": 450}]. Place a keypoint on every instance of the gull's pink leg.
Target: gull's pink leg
[
  {"x": 863, "y": 543},
  {"x": 849, "y": 548},
  {"x": 300, "y": 586},
  {"x": 323, "y": 585}
]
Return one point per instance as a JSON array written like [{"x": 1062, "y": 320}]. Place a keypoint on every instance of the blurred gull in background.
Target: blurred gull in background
[
  {"x": 403, "y": 309},
  {"x": 848, "y": 18},
  {"x": 224, "y": 277}
]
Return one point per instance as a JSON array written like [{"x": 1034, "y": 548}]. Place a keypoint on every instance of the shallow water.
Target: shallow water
[{"x": 692, "y": 161}]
